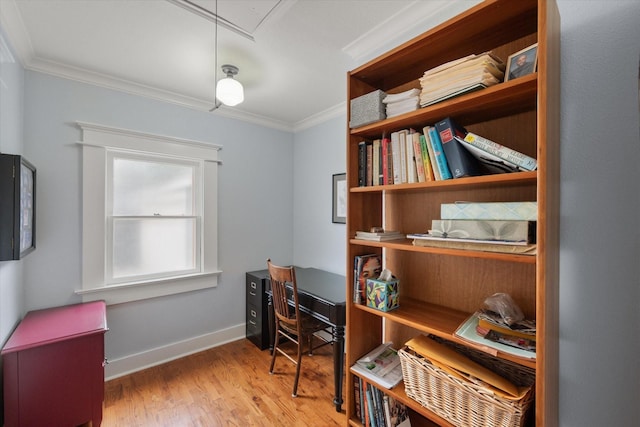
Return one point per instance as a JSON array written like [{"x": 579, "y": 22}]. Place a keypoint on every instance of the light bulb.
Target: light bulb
[{"x": 229, "y": 91}]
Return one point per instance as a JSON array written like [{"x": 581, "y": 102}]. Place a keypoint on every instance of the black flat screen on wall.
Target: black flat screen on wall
[{"x": 17, "y": 207}]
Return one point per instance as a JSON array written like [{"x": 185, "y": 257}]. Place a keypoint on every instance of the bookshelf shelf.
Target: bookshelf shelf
[
  {"x": 500, "y": 100},
  {"x": 437, "y": 320},
  {"x": 469, "y": 182},
  {"x": 439, "y": 288},
  {"x": 407, "y": 245}
]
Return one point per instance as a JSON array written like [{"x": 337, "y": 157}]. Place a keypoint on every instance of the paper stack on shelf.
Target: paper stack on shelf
[
  {"x": 379, "y": 236},
  {"x": 381, "y": 365},
  {"x": 403, "y": 102},
  {"x": 460, "y": 76}
]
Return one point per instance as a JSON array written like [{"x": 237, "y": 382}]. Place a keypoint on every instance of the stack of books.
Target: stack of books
[
  {"x": 400, "y": 103},
  {"x": 460, "y": 76},
  {"x": 491, "y": 227},
  {"x": 379, "y": 236}
]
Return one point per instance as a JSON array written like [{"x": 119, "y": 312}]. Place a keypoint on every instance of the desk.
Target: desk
[{"x": 323, "y": 295}]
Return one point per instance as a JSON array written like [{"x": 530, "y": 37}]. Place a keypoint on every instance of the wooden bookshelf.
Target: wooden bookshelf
[{"x": 440, "y": 288}]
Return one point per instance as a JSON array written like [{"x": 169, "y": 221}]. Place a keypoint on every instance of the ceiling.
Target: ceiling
[{"x": 293, "y": 55}]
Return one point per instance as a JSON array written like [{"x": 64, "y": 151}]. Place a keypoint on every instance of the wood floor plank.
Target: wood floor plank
[{"x": 229, "y": 386}]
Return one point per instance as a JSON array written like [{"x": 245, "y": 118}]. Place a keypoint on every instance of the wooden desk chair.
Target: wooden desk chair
[{"x": 290, "y": 322}]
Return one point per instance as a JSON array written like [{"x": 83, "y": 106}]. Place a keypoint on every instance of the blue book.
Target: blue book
[
  {"x": 372, "y": 414},
  {"x": 438, "y": 152}
]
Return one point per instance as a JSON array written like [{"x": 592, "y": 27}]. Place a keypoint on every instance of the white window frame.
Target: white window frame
[{"x": 97, "y": 141}]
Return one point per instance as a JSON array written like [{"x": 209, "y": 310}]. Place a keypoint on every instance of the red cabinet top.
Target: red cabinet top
[{"x": 57, "y": 324}]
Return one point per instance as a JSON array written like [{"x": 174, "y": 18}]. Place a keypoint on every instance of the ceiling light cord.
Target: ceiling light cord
[
  {"x": 228, "y": 91},
  {"x": 216, "y": 103}
]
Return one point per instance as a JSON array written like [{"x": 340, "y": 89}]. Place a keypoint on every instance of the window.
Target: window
[{"x": 149, "y": 215}]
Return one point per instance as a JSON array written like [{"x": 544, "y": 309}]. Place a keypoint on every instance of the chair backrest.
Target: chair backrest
[{"x": 280, "y": 276}]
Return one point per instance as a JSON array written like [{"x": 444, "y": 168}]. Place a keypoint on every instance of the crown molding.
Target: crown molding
[
  {"x": 110, "y": 82},
  {"x": 408, "y": 22},
  {"x": 321, "y": 117}
]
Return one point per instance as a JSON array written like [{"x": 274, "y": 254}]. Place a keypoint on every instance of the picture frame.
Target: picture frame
[
  {"x": 339, "y": 196},
  {"x": 522, "y": 63}
]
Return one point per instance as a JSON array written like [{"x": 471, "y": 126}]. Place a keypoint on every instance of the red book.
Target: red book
[{"x": 386, "y": 157}]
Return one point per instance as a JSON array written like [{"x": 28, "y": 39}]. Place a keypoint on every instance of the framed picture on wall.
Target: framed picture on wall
[{"x": 339, "y": 211}]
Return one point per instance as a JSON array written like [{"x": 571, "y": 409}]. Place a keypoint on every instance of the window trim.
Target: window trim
[{"x": 96, "y": 141}]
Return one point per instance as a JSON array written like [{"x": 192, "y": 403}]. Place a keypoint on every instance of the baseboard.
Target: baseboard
[{"x": 157, "y": 356}]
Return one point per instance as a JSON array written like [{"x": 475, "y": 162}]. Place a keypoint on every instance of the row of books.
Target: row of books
[
  {"x": 443, "y": 151},
  {"x": 377, "y": 409}
]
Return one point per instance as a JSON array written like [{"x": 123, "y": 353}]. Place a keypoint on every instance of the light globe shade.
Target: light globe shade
[{"x": 229, "y": 91}]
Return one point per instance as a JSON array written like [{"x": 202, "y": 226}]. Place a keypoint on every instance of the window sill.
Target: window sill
[{"x": 127, "y": 292}]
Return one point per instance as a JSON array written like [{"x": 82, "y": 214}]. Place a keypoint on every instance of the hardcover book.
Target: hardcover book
[
  {"x": 441, "y": 160},
  {"x": 461, "y": 162},
  {"x": 362, "y": 164},
  {"x": 387, "y": 162},
  {"x": 428, "y": 170},
  {"x": 395, "y": 157}
]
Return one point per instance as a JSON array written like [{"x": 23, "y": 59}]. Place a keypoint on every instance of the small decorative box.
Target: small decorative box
[
  {"x": 383, "y": 295},
  {"x": 367, "y": 109}
]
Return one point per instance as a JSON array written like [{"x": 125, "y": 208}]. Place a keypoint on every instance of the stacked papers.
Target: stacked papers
[
  {"x": 460, "y": 76},
  {"x": 400, "y": 103}
]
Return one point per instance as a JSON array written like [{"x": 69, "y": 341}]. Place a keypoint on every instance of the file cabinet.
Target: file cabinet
[
  {"x": 53, "y": 366},
  {"x": 257, "y": 316}
]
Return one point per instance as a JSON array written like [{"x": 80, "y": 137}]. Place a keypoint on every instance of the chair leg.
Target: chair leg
[
  {"x": 275, "y": 350},
  {"x": 298, "y": 364},
  {"x": 310, "y": 344}
]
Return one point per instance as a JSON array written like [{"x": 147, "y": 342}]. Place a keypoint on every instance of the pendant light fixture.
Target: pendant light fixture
[{"x": 228, "y": 90}]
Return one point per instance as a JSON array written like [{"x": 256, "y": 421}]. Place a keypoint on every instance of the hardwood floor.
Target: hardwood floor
[{"x": 228, "y": 385}]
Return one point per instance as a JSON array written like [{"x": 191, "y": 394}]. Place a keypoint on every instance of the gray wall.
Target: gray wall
[
  {"x": 318, "y": 153},
  {"x": 599, "y": 258},
  {"x": 255, "y": 171},
  {"x": 599, "y": 264}
]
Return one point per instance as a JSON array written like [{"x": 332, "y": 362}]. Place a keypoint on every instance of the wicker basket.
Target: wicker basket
[{"x": 464, "y": 403}]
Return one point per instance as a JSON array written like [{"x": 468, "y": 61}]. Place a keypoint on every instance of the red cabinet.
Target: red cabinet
[{"x": 53, "y": 367}]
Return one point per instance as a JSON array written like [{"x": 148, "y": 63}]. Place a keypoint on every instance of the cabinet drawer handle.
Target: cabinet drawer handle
[
  {"x": 253, "y": 313},
  {"x": 253, "y": 285}
]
